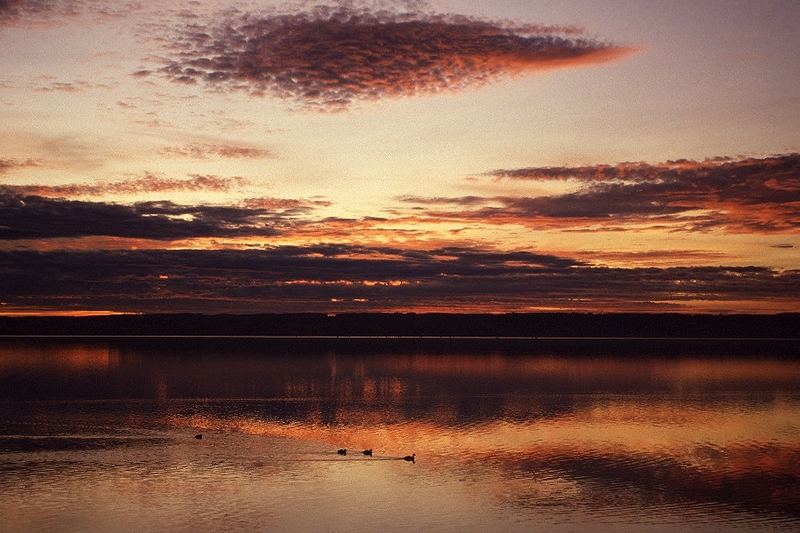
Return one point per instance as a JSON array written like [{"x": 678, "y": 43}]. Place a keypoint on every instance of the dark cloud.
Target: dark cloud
[
  {"x": 730, "y": 177},
  {"x": 7, "y": 165},
  {"x": 147, "y": 184},
  {"x": 57, "y": 212},
  {"x": 331, "y": 57},
  {"x": 340, "y": 277},
  {"x": 37, "y": 217},
  {"x": 740, "y": 195},
  {"x": 204, "y": 151}
]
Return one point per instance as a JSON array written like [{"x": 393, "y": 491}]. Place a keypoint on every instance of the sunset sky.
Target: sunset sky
[{"x": 452, "y": 156}]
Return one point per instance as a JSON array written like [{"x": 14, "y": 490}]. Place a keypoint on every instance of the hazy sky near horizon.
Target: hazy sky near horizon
[{"x": 264, "y": 156}]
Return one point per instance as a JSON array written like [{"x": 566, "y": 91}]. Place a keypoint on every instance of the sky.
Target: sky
[{"x": 399, "y": 156}]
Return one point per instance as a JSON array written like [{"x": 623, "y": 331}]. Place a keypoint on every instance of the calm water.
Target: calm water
[{"x": 99, "y": 436}]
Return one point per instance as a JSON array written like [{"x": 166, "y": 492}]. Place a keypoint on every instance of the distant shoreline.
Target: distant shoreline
[
  {"x": 546, "y": 334},
  {"x": 530, "y": 327},
  {"x": 404, "y": 337}
]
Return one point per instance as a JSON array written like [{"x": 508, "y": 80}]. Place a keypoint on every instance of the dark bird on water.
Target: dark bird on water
[
  {"x": 368, "y": 452},
  {"x": 411, "y": 458},
  {"x": 342, "y": 451},
  {"x": 198, "y": 436}
]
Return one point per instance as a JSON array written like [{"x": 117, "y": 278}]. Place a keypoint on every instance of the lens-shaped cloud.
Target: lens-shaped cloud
[{"x": 328, "y": 58}]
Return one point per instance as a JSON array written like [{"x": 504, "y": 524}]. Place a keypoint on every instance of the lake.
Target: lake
[{"x": 100, "y": 435}]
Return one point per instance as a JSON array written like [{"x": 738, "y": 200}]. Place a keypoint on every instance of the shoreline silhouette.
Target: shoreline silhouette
[{"x": 512, "y": 326}]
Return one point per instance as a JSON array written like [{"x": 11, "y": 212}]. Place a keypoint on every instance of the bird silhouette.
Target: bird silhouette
[
  {"x": 342, "y": 451},
  {"x": 411, "y": 458},
  {"x": 368, "y": 452},
  {"x": 198, "y": 436}
]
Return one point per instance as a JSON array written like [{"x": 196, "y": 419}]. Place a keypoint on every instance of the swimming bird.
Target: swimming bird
[
  {"x": 368, "y": 452},
  {"x": 198, "y": 436},
  {"x": 411, "y": 458},
  {"x": 342, "y": 451}
]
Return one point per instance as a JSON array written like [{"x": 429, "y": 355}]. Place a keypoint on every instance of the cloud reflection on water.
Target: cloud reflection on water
[{"x": 667, "y": 431}]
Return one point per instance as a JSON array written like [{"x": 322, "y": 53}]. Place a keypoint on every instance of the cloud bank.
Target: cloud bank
[
  {"x": 737, "y": 195},
  {"x": 339, "y": 277},
  {"x": 25, "y": 216},
  {"x": 331, "y": 57}
]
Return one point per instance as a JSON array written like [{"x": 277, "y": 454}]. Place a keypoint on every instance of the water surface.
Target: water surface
[{"x": 100, "y": 436}]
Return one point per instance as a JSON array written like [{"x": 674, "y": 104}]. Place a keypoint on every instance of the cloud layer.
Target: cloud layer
[
  {"x": 148, "y": 183},
  {"x": 331, "y": 57},
  {"x": 339, "y": 277},
  {"x": 36, "y": 217},
  {"x": 739, "y": 195}
]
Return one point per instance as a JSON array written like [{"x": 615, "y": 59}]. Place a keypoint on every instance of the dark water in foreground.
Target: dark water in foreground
[{"x": 99, "y": 436}]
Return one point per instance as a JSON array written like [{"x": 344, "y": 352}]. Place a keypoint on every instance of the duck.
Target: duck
[
  {"x": 411, "y": 458},
  {"x": 368, "y": 452},
  {"x": 342, "y": 451},
  {"x": 198, "y": 436}
]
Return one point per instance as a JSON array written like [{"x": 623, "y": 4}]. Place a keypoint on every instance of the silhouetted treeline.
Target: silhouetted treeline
[{"x": 783, "y": 326}]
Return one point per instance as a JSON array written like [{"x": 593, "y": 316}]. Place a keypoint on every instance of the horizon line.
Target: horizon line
[{"x": 398, "y": 337}]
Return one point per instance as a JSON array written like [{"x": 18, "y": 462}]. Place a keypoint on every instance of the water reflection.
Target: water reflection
[
  {"x": 52, "y": 371},
  {"x": 692, "y": 440}
]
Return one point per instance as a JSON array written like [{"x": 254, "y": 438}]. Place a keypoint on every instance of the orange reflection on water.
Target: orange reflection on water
[
  {"x": 602, "y": 424},
  {"x": 530, "y": 429},
  {"x": 699, "y": 456},
  {"x": 13, "y": 311},
  {"x": 45, "y": 359}
]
